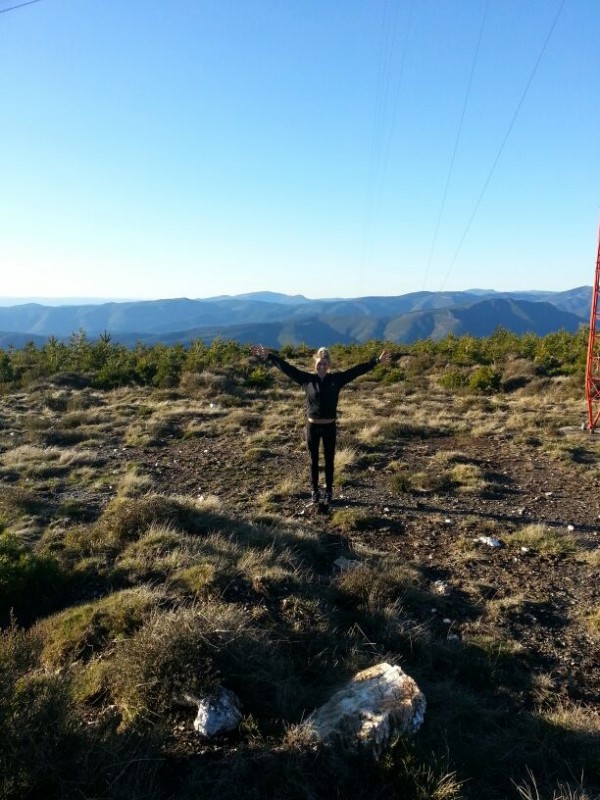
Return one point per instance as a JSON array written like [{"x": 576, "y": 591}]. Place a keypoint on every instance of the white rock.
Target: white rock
[
  {"x": 371, "y": 711},
  {"x": 217, "y": 714},
  {"x": 491, "y": 541}
]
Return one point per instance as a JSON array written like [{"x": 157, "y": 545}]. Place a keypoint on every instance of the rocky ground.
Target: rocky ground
[
  {"x": 432, "y": 530},
  {"x": 457, "y": 501}
]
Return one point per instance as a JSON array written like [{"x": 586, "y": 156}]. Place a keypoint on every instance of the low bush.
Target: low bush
[
  {"x": 29, "y": 584},
  {"x": 485, "y": 380}
]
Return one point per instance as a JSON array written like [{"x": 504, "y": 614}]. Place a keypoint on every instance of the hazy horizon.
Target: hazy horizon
[{"x": 72, "y": 301}]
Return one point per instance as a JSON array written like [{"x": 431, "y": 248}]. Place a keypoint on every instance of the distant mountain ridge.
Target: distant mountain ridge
[{"x": 277, "y": 319}]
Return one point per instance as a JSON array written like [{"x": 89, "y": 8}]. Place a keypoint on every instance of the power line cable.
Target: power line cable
[
  {"x": 501, "y": 148},
  {"x": 20, "y": 5},
  {"x": 396, "y": 103},
  {"x": 456, "y": 142},
  {"x": 386, "y": 53},
  {"x": 382, "y": 138}
]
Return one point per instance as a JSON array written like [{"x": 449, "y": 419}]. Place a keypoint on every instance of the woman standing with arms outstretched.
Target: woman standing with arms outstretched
[{"x": 322, "y": 390}]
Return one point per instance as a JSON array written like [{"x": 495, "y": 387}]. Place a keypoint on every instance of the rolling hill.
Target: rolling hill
[{"x": 277, "y": 319}]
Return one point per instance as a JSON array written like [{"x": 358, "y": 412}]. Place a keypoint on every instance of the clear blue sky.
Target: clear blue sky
[{"x": 319, "y": 147}]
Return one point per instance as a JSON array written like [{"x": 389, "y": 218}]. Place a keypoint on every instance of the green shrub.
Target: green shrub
[
  {"x": 48, "y": 747},
  {"x": 259, "y": 378},
  {"x": 29, "y": 584},
  {"x": 392, "y": 375},
  {"x": 485, "y": 380},
  {"x": 454, "y": 379},
  {"x": 400, "y": 482}
]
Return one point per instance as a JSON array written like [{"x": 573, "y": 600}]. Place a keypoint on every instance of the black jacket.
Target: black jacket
[{"x": 322, "y": 394}]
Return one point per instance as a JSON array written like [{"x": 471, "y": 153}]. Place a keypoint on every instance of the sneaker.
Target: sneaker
[
  {"x": 314, "y": 498},
  {"x": 329, "y": 497}
]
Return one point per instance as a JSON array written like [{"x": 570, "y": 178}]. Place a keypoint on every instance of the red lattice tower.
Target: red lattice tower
[{"x": 592, "y": 370}]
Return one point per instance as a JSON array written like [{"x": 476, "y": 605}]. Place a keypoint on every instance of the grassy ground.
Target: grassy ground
[{"x": 158, "y": 543}]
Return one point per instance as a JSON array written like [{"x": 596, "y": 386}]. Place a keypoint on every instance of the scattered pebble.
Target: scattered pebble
[{"x": 491, "y": 541}]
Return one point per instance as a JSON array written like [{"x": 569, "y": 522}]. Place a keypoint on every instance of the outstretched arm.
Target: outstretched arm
[
  {"x": 361, "y": 369},
  {"x": 292, "y": 372}
]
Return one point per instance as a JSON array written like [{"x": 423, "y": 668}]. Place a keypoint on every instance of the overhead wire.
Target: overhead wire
[
  {"x": 503, "y": 143},
  {"x": 386, "y": 52},
  {"x": 456, "y": 143},
  {"x": 20, "y": 5},
  {"x": 383, "y": 120}
]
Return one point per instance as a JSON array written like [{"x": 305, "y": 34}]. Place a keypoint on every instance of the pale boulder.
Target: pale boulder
[{"x": 374, "y": 709}]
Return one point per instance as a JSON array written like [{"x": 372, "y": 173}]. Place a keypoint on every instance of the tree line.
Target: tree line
[{"x": 105, "y": 364}]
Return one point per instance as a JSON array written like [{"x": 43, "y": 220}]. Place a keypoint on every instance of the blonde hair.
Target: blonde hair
[{"x": 322, "y": 354}]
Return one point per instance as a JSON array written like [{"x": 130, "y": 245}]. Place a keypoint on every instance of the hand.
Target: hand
[
  {"x": 385, "y": 357},
  {"x": 259, "y": 351}
]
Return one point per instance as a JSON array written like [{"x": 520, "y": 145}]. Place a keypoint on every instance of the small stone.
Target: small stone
[
  {"x": 217, "y": 714},
  {"x": 491, "y": 541}
]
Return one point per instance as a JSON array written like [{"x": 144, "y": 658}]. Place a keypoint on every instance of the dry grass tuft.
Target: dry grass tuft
[
  {"x": 545, "y": 540},
  {"x": 87, "y": 631}
]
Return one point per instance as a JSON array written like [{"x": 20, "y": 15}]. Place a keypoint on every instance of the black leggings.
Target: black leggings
[{"x": 314, "y": 433}]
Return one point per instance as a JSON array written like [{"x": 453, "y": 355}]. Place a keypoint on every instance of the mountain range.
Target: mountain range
[{"x": 277, "y": 319}]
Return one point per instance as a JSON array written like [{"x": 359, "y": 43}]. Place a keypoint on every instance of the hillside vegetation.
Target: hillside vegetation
[{"x": 156, "y": 542}]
